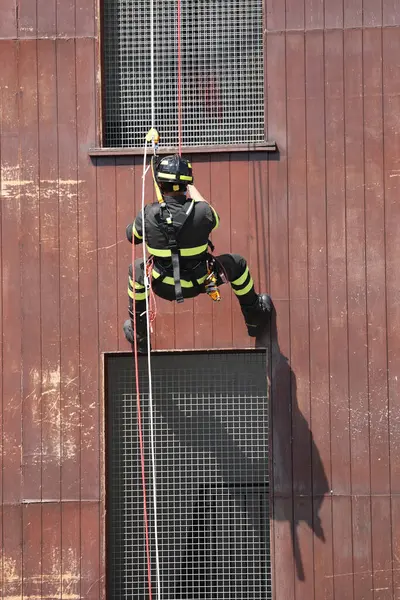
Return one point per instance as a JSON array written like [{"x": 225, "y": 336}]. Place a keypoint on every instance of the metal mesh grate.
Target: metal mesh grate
[
  {"x": 211, "y": 430},
  {"x": 222, "y": 72}
]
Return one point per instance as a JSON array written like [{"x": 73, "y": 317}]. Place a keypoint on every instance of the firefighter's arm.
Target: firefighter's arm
[
  {"x": 134, "y": 230},
  {"x": 197, "y": 197}
]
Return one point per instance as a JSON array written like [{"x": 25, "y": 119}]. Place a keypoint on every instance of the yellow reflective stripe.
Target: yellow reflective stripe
[
  {"x": 170, "y": 280},
  {"x": 193, "y": 251},
  {"x": 166, "y": 176},
  {"x": 138, "y": 286},
  {"x": 185, "y": 177},
  {"x": 183, "y": 251},
  {"x": 245, "y": 290},
  {"x": 135, "y": 232},
  {"x": 184, "y": 284},
  {"x": 242, "y": 278},
  {"x": 139, "y": 295},
  {"x": 158, "y": 252},
  {"x": 216, "y": 217}
]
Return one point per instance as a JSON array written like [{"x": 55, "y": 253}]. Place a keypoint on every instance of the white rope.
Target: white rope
[
  {"x": 147, "y": 288},
  {"x": 151, "y": 409},
  {"x": 152, "y": 75}
]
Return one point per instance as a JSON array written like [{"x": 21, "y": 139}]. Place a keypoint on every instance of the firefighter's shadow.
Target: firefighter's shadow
[
  {"x": 298, "y": 494},
  {"x": 245, "y": 479}
]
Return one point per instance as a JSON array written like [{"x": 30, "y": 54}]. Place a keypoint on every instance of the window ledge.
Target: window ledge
[{"x": 269, "y": 146}]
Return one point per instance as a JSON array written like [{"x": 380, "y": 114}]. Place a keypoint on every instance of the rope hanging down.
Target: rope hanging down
[
  {"x": 179, "y": 78},
  {"x": 153, "y": 138}
]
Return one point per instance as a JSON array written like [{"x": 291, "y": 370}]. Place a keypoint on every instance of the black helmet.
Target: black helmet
[{"x": 174, "y": 170}]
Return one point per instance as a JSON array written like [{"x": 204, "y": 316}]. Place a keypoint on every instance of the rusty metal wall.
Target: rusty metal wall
[{"x": 320, "y": 227}]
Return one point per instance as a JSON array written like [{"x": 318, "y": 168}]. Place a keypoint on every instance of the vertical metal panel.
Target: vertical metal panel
[
  {"x": 30, "y": 266},
  {"x": 88, "y": 301},
  {"x": 92, "y": 568},
  {"x": 49, "y": 190},
  {"x": 106, "y": 253},
  {"x": 12, "y": 551},
  {"x": 66, "y": 17},
  {"x": 362, "y": 547},
  {"x": 334, "y": 14},
  {"x": 284, "y": 561},
  {"x": 91, "y": 578},
  {"x": 203, "y": 305},
  {"x": 295, "y": 14},
  {"x": 385, "y": 534},
  {"x": 240, "y": 229},
  {"x": 299, "y": 318},
  {"x": 46, "y": 18},
  {"x": 355, "y": 252},
  {"x": 11, "y": 274},
  {"x": 31, "y": 550},
  {"x": 337, "y": 302},
  {"x": 353, "y": 13},
  {"x": 395, "y": 541},
  {"x": 372, "y": 13},
  {"x": 8, "y": 19},
  {"x": 86, "y": 18},
  {"x": 91, "y": 582},
  {"x": 27, "y": 19},
  {"x": 51, "y": 550},
  {"x": 318, "y": 312},
  {"x": 220, "y": 197},
  {"x": 275, "y": 15},
  {"x": 375, "y": 262},
  {"x": 69, "y": 268},
  {"x": 314, "y": 14},
  {"x": 124, "y": 186},
  {"x": 337, "y": 289},
  {"x": 391, "y": 12},
  {"x": 391, "y": 86},
  {"x": 343, "y": 546},
  {"x": 259, "y": 220},
  {"x": 71, "y": 534}
]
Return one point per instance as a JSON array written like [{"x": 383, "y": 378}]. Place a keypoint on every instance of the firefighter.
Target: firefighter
[{"x": 177, "y": 229}]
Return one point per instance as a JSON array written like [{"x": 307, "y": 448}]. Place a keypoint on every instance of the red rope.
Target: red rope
[
  {"x": 139, "y": 417},
  {"x": 179, "y": 81}
]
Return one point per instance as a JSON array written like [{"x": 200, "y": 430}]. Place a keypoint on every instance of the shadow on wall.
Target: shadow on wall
[
  {"x": 315, "y": 484},
  {"x": 235, "y": 499}
]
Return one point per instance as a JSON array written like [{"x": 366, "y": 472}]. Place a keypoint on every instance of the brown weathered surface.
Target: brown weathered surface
[{"x": 320, "y": 229}]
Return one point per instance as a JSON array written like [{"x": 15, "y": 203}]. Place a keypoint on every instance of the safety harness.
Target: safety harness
[{"x": 171, "y": 228}]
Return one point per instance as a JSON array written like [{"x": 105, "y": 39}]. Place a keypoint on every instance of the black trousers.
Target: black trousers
[{"x": 232, "y": 267}]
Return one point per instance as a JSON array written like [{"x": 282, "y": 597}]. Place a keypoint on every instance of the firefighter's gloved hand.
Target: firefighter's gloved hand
[{"x": 128, "y": 331}]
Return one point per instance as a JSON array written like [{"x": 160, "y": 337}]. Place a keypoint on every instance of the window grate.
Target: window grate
[
  {"x": 222, "y": 62},
  {"x": 211, "y": 448}
]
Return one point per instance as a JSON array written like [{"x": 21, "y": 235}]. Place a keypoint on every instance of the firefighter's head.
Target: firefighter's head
[{"x": 173, "y": 174}]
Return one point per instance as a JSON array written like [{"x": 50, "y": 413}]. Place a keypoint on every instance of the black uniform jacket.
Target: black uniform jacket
[{"x": 192, "y": 239}]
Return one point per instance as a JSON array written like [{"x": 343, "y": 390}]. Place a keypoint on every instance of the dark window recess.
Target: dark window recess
[
  {"x": 211, "y": 450},
  {"x": 222, "y": 67}
]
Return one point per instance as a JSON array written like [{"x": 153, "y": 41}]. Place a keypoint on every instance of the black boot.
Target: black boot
[
  {"x": 141, "y": 333},
  {"x": 257, "y": 315}
]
